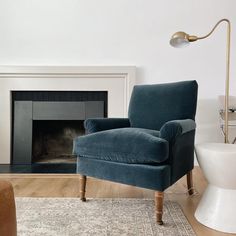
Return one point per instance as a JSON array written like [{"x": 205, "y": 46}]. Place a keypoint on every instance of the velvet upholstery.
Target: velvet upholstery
[
  {"x": 153, "y": 147},
  {"x": 100, "y": 124},
  {"x": 181, "y": 157},
  {"x": 151, "y": 106},
  {"x": 125, "y": 145},
  {"x": 172, "y": 129},
  {"x": 141, "y": 175}
]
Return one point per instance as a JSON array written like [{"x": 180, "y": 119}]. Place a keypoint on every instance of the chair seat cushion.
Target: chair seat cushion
[{"x": 125, "y": 145}]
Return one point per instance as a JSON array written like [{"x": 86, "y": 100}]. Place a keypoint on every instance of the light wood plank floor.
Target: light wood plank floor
[{"x": 34, "y": 185}]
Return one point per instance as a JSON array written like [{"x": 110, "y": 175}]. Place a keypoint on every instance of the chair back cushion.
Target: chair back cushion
[{"x": 153, "y": 105}]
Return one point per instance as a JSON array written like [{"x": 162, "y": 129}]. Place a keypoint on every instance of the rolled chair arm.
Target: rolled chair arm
[
  {"x": 99, "y": 124},
  {"x": 172, "y": 129}
]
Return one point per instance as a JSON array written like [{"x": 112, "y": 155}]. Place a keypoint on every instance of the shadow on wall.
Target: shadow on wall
[
  {"x": 208, "y": 125},
  {"x": 207, "y": 119}
]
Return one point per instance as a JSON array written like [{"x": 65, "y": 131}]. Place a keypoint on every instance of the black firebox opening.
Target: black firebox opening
[{"x": 53, "y": 140}]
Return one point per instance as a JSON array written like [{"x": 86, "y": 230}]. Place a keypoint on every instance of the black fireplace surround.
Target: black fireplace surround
[{"x": 51, "y": 108}]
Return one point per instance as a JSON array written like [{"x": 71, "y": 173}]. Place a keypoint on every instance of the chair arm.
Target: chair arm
[
  {"x": 172, "y": 129},
  {"x": 93, "y": 125}
]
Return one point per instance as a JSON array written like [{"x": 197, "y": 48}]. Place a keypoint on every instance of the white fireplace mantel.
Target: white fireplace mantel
[{"x": 118, "y": 81}]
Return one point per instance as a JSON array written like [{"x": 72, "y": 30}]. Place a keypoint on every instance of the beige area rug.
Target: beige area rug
[{"x": 97, "y": 217}]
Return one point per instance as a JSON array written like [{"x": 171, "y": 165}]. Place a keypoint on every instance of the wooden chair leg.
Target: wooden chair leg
[
  {"x": 190, "y": 183},
  {"x": 82, "y": 183},
  {"x": 159, "y": 197}
]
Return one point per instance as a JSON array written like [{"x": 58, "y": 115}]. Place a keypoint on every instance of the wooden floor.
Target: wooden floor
[{"x": 34, "y": 185}]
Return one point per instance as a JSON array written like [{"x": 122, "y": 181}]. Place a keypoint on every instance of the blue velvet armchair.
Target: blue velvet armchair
[{"x": 152, "y": 148}]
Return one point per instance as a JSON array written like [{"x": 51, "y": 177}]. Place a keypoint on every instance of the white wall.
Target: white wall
[{"x": 126, "y": 32}]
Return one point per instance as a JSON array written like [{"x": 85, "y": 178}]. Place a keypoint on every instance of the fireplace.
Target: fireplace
[
  {"x": 117, "y": 81},
  {"x": 46, "y": 122}
]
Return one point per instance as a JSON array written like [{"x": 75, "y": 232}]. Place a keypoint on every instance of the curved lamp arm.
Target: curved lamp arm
[
  {"x": 180, "y": 39},
  {"x": 213, "y": 29}
]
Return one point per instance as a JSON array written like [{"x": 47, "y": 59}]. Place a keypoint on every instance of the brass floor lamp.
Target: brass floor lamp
[{"x": 181, "y": 39}]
